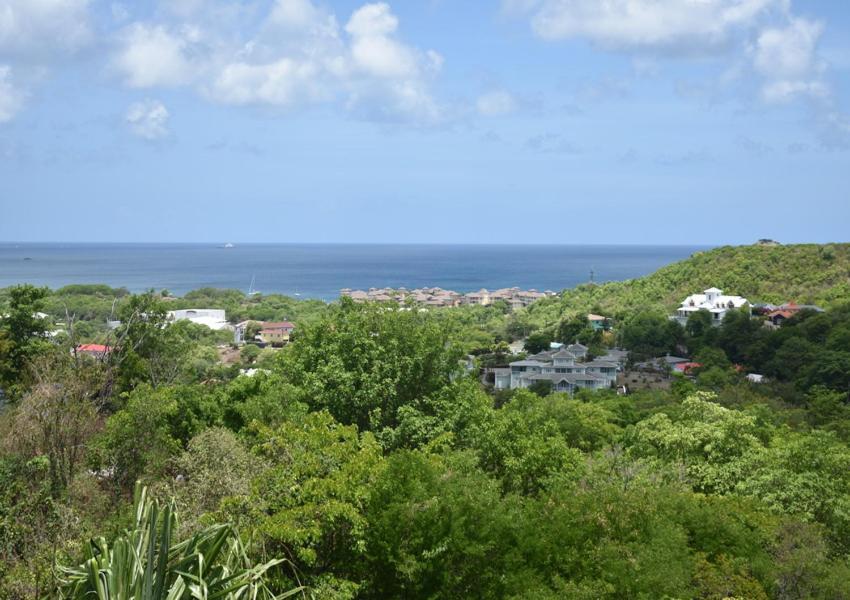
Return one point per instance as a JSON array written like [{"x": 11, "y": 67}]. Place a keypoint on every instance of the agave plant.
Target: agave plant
[{"x": 146, "y": 563}]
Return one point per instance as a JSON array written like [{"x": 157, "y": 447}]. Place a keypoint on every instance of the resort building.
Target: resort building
[
  {"x": 515, "y": 297},
  {"x": 435, "y": 297},
  {"x": 712, "y": 300}
]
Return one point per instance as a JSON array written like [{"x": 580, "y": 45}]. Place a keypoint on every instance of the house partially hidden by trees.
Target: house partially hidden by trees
[
  {"x": 712, "y": 300},
  {"x": 214, "y": 318},
  {"x": 598, "y": 322},
  {"x": 274, "y": 333},
  {"x": 560, "y": 369},
  {"x": 98, "y": 351},
  {"x": 780, "y": 314}
]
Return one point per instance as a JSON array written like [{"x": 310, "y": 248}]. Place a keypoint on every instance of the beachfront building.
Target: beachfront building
[
  {"x": 515, "y": 297},
  {"x": 481, "y": 297},
  {"x": 213, "y": 318},
  {"x": 712, "y": 300},
  {"x": 562, "y": 368}
]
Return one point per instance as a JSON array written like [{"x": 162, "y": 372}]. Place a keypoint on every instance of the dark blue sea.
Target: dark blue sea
[{"x": 321, "y": 270}]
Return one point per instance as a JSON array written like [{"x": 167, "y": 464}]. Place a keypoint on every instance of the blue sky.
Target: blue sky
[{"x": 526, "y": 121}]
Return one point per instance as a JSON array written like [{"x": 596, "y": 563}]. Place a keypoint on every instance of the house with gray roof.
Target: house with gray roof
[{"x": 562, "y": 368}]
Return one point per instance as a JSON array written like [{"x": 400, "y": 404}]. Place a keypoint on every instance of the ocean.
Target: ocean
[{"x": 321, "y": 270}]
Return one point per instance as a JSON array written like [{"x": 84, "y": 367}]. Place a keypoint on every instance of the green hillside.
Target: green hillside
[{"x": 804, "y": 273}]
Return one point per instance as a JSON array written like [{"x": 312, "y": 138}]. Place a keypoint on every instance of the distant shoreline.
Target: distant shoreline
[{"x": 321, "y": 271}]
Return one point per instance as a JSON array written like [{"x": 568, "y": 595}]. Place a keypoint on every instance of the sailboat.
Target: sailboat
[{"x": 251, "y": 290}]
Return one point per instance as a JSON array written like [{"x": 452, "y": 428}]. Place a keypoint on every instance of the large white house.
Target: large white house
[
  {"x": 562, "y": 368},
  {"x": 213, "y": 318},
  {"x": 712, "y": 300}
]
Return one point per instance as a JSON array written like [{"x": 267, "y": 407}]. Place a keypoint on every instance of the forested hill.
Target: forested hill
[{"x": 804, "y": 273}]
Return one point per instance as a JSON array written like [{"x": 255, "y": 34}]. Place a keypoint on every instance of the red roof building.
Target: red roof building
[{"x": 96, "y": 350}]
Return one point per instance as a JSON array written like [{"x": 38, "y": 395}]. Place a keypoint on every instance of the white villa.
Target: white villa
[
  {"x": 562, "y": 369},
  {"x": 213, "y": 318},
  {"x": 712, "y": 300}
]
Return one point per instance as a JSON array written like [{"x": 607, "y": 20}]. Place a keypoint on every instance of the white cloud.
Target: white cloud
[
  {"x": 34, "y": 35},
  {"x": 148, "y": 119},
  {"x": 644, "y": 24},
  {"x": 283, "y": 83},
  {"x": 41, "y": 28},
  {"x": 373, "y": 49},
  {"x": 151, "y": 55},
  {"x": 372, "y": 20},
  {"x": 782, "y": 59},
  {"x": 786, "y": 59},
  {"x": 301, "y": 56},
  {"x": 11, "y": 99},
  {"x": 293, "y": 14},
  {"x": 496, "y": 103}
]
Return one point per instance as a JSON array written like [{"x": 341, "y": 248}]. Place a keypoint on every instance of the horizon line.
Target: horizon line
[{"x": 236, "y": 244}]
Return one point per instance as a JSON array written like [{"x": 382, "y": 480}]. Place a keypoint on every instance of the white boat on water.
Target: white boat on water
[
  {"x": 228, "y": 245},
  {"x": 251, "y": 290}
]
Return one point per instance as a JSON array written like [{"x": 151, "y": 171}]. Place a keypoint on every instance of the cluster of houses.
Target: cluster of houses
[
  {"x": 565, "y": 368},
  {"x": 438, "y": 297}
]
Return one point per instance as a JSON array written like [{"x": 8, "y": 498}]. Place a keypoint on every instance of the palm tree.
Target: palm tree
[{"x": 145, "y": 563}]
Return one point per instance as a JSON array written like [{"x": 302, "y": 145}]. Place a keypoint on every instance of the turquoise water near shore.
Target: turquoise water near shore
[{"x": 321, "y": 270}]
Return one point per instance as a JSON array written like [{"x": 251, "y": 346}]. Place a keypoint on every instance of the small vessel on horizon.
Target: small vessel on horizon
[
  {"x": 228, "y": 245},
  {"x": 251, "y": 290}
]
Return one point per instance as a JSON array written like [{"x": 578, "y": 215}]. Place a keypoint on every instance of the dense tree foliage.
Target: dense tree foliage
[
  {"x": 365, "y": 363},
  {"x": 366, "y": 459}
]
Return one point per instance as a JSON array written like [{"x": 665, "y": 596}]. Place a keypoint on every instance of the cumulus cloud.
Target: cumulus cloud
[
  {"x": 496, "y": 103},
  {"x": 283, "y": 82},
  {"x": 34, "y": 29},
  {"x": 768, "y": 44},
  {"x": 298, "y": 55},
  {"x": 294, "y": 14},
  {"x": 785, "y": 57},
  {"x": 643, "y": 24},
  {"x": 11, "y": 99},
  {"x": 148, "y": 119},
  {"x": 151, "y": 55},
  {"x": 34, "y": 35}
]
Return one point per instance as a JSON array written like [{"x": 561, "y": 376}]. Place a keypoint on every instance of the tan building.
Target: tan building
[{"x": 276, "y": 333}]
